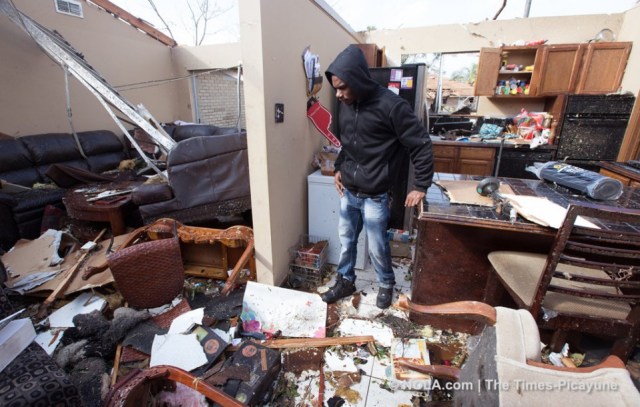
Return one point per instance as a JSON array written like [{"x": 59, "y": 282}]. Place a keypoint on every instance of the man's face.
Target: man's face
[{"x": 343, "y": 91}]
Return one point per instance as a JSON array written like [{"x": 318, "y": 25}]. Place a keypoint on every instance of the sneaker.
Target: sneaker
[
  {"x": 385, "y": 295},
  {"x": 343, "y": 288}
]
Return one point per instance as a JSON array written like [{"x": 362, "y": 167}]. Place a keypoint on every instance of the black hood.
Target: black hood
[{"x": 351, "y": 66}]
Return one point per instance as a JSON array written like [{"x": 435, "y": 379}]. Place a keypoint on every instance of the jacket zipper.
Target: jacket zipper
[{"x": 355, "y": 142}]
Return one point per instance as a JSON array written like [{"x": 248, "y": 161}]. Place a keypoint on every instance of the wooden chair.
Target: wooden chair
[
  {"x": 587, "y": 282},
  {"x": 505, "y": 368}
]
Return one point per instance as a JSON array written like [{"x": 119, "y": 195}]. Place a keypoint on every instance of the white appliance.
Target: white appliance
[{"x": 324, "y": 214}]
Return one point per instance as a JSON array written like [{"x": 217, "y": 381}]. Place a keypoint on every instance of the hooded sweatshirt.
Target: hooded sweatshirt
[{"x": 374, "y": 129}]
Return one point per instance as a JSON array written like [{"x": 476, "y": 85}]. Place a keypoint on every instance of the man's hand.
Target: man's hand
[
  {"x": 414, "y": 198},
  {"x": 337, "y": 179}
]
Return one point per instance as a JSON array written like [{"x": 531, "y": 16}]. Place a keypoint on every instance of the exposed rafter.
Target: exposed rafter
[{"x": 134, "y": 21}]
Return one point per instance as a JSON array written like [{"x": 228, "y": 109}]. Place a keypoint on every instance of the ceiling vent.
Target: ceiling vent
[{"x": 69, "y": 7}]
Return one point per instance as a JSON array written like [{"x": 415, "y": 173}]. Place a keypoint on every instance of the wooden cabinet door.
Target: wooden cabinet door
[
  {"x": 603, "y": 67},
  {"x": 444, "y": 158},
  {"x": 476, "y": 161},
  {"x": 559, "y": 68},
  {"x": 488, "y": 68},
  {"x": 475, "y": 167}
]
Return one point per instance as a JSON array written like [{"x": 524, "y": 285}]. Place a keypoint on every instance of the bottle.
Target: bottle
[{"x": 552, "y": 134}]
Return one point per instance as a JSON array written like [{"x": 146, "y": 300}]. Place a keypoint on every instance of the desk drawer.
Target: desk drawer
[
  {"x": 444, "y": 151},
  {"x": 479, "y": 153}
]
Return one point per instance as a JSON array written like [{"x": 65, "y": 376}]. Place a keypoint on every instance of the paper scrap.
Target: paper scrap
[
  {"x": 183, "y": 323},
  {"x": 356, "y": 327},
  {"x": 178, "y": 350},
  {"x": 296, "y": 314},
  {"x": 85, "y": 303},
  {"x": 335, "y": 363},
  {"x": 542, "y": 211},
  {"x": 49, "y": 340}
]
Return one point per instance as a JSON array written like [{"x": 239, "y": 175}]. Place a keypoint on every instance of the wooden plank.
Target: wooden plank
[
  {"x": 135, "y": 21},
  {"x": 317, "y": 342}
]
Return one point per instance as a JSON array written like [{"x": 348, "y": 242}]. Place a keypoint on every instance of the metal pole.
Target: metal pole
[
  {"x": 238, "y": 98},
  {"x": 527, "y": 8},
  {"x": 196, "y": 105}
]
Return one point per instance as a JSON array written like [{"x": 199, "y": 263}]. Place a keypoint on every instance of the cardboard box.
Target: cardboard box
[{"x": 400, "y": 249}]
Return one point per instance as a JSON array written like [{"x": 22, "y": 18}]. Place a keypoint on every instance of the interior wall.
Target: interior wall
[
  {"x": 33, "y": 93},
  {"x": 274, "y": 34},
  {"x": 630, "y": 31},
  {"x": 472, "y": 37}
]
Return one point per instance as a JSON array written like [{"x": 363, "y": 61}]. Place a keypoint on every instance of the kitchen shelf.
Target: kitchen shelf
[
  {"x": 506, "y": 72},
  {"x": 516, "y": 97}
]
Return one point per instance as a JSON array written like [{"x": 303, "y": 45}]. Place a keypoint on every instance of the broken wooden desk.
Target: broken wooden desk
[
  {"x": 80, "y": 204},
  {"x": 454, "y": 239}
]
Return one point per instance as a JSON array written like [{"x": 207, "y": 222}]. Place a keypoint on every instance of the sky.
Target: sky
[{"x": 381, "y": 14}]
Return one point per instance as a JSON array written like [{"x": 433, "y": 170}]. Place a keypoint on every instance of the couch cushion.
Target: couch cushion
[
  {"x": 151, "y": 193},
  {"x": 52, "y": 148},
  {"x": 25, "y": 177},
  {"x": 100, "y": 142},
  {"x": 194, "y": 130},
  {"x": 14, "y": 155}
]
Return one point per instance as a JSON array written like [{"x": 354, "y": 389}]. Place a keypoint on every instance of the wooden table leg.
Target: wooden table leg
[{"x": 116, "y": 219}]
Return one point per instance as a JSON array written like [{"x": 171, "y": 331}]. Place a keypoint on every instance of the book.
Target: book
[{"x": 409, "y": 350}]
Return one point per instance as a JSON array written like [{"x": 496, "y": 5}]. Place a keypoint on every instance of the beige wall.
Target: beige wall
[
  {"x": 33, "y": 95},
  {"x": 630, "y": 31},
  {"x": 472, "y": 37},
  {"x": 274, "y": 34}
]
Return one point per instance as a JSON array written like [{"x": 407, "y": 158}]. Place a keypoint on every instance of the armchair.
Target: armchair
[
  {"x": 588, "y": 282},
  {"x": 208, "y": 177},
  {"x": 505, "y": 369}
]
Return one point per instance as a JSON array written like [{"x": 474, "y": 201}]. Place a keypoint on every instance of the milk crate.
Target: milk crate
[
  {"x": 306, "y": 278},
  {"x": 310, "y": 252}
]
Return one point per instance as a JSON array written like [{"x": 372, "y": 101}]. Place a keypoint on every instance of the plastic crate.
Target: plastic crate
[
  {"x": 305, "y": 277},
  {"x": 310, "y": 252}
]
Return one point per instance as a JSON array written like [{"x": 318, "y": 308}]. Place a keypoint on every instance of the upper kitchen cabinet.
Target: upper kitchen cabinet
[
  {"x": 508, "y": 72},
  {"x": 375, "y": 56},
  {"x": 559, "y": 68},
  {"x": 603, "y": 67},
  {"x": 550, "y": 70}
]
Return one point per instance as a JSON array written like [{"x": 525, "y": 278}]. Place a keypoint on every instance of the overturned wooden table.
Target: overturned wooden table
[{"x": 86, "y": 203}]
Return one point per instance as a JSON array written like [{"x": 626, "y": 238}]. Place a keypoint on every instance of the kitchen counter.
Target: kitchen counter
[{"x": 481, "y": 158}]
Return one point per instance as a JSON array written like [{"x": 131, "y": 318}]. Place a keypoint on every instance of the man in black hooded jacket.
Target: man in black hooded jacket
[{"x": 374, "y": 125}]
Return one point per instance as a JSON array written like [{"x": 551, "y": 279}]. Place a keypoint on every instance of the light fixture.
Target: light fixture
[{"x": 604, "y": 35}]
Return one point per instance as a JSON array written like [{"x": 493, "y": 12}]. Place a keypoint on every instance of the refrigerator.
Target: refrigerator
[
  {"x": 324, "y": 214},
  {"x": 408, "y": 82}
]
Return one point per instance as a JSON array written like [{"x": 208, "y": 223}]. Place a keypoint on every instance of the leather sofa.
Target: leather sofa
[
  {"x": 25, "y": 161},
  {"x": 208, "y": 177}
]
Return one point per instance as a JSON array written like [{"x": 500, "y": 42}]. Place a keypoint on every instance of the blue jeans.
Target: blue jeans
[{"x": 373, "y": 214}]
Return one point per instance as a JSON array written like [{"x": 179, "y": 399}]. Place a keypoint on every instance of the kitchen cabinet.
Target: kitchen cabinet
[
  {"x": 559, "y": 68},
  {"x": 457, "y": 159},
  {"x": 602, "y": 68},
  {"x": 491, "y": 69},
  {"x": 375, "y": 56},
  {"x": 593, "y": 68}
]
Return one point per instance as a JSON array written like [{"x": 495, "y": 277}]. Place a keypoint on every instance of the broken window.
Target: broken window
[{"x": 450, "y": 81}]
